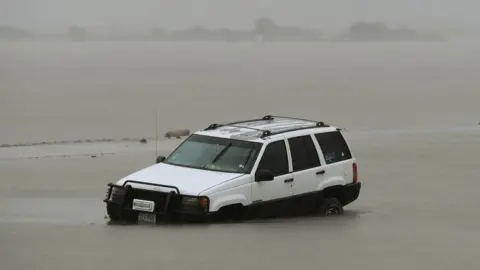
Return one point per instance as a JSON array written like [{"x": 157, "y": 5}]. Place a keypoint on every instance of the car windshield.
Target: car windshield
[{"x": 216, "y": 154}]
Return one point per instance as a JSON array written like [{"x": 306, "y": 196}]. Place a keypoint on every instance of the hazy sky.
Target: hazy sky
[{"x": 47, "y": 15}]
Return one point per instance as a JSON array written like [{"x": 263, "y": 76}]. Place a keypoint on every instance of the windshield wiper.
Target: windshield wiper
[
  {"x": 221, "y": 153},
  {"x": 247, "y": 159}
]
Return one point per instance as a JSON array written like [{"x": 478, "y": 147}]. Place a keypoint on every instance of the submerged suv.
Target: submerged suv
[{"x": 271, "y": 166}]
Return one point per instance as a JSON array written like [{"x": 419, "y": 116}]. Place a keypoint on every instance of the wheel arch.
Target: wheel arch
[
  {"x": 227, "y": 201},
  {"x": 336, "y": 191}
]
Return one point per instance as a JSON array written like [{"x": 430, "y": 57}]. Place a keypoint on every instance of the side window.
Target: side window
[
  {"x": 333, "y": 146},
  {"x": 304, "y": 153},
  {"x": 275, "y": 158}
]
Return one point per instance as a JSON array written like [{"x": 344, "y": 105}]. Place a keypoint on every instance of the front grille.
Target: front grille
[
  {"x": 159, "y": 198},
  {"x": 148, "y": 195}
]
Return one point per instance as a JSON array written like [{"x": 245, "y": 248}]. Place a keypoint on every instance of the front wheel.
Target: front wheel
[
  {"x": 331, "y": 207},
  {"x": 230, "y": 213}
]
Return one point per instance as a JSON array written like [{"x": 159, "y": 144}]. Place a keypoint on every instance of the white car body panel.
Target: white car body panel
[
  {"x": 236, "y": 195},
  {"x": 307, "y": 180},
  {"x": 271, "y": 190},
  {"x": 330, "y": 182},
  {"x": 189, "y": 181},
  {"x": 276, "y": 189},
  {"x": 235, "y": 191}
]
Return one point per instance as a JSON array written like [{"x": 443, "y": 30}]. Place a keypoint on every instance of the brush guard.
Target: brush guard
[{"x": 125, "y": 195}]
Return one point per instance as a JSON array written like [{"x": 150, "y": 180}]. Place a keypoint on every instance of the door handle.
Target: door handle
[
  {"x": 321, "y": 172},
  {"x": 288, "y": 180}
]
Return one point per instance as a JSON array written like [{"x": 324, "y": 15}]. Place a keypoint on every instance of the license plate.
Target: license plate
[
  {"x": 147, "y": 218},
  {"x": 143, "y": 205}
]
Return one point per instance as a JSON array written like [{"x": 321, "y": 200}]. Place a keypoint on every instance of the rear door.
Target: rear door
[
  {"x": 308, "y": 171},
  {"x": 337, "y": 155},
  {"x": 275, "y": 159}
]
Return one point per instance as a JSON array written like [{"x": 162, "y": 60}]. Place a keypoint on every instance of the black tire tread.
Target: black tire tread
[{"x": 329, "y": 201}]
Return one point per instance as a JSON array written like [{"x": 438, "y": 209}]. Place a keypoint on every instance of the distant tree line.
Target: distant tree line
[
  {"x": 13, "y": 33},
  {"x": 377, "y": 31},
  {"x": 76, "y": 33},
  {"x": 268, "y": 30},
  {"x": 202, "y": 33},
  {"x": 264, "y": 29}
]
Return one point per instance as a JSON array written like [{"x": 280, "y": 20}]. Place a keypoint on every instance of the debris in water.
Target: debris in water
[{"x": 177, "y": 133}]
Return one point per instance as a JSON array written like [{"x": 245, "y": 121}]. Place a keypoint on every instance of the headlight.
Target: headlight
[{"x": 195, "y": 203}]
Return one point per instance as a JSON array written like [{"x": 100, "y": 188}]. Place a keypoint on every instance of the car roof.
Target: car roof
[{"x": 267, "y": 128}]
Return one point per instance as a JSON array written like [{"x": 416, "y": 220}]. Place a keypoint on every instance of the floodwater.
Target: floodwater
[{"x": 410, "y": 109}]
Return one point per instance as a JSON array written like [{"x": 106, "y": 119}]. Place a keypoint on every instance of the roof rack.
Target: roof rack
[
  {"x": 266, "y": 133},
  {"x": 271, "y": 117}
]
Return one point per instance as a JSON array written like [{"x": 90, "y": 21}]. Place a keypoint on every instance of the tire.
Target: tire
[
  {"x": 230, "y": 213},
  {"x": 331, "y": 206}
]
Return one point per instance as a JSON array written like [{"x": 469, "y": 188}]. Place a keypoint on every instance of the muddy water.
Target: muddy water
[
  {"x": 410, "y": 110},
  {"x": 68, "y": 91}
]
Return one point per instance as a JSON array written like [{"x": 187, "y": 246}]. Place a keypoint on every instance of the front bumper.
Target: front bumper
[{"x": 167, "y": 205}]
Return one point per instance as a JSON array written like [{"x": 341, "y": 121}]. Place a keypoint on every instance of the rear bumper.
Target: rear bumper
[
  {"x": 119, "y": 201},
  {"x": 350, "y": 193}
]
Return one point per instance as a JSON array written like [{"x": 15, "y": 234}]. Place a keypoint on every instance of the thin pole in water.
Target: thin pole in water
[{"x": 156, "y": 134}]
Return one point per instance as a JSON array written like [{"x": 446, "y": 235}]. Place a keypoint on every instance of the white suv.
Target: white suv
[{"x": 266, "y": 166}]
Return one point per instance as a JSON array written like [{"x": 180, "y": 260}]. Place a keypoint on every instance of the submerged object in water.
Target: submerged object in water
[{"x": 177, "y": 133}]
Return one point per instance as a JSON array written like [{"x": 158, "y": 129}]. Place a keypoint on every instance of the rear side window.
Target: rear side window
[
  {"x": 304, "y": 153},
  {"x": 334, "y": 147},
  {"x": 275, "y": 158}
]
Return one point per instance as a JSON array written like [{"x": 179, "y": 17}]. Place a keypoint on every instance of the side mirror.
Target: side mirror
[
  {"x": 264, "y": 175},
  {"x": 160, "y": 159}
]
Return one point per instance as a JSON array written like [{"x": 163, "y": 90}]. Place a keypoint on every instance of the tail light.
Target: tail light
[{"x": 355, "y": 172}]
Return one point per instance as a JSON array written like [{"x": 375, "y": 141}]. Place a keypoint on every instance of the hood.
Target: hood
[{"x": 188, "y": 181}]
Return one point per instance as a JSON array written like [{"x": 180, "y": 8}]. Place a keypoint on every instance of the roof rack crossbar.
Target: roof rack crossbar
[
  {"x": 266, "y": 133},
  {"x": 215, "y": 126},
  {"x": 256, "y": 129},
  {"x": 291, "y": 118},
  {"x": 247, "y": 121}
]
